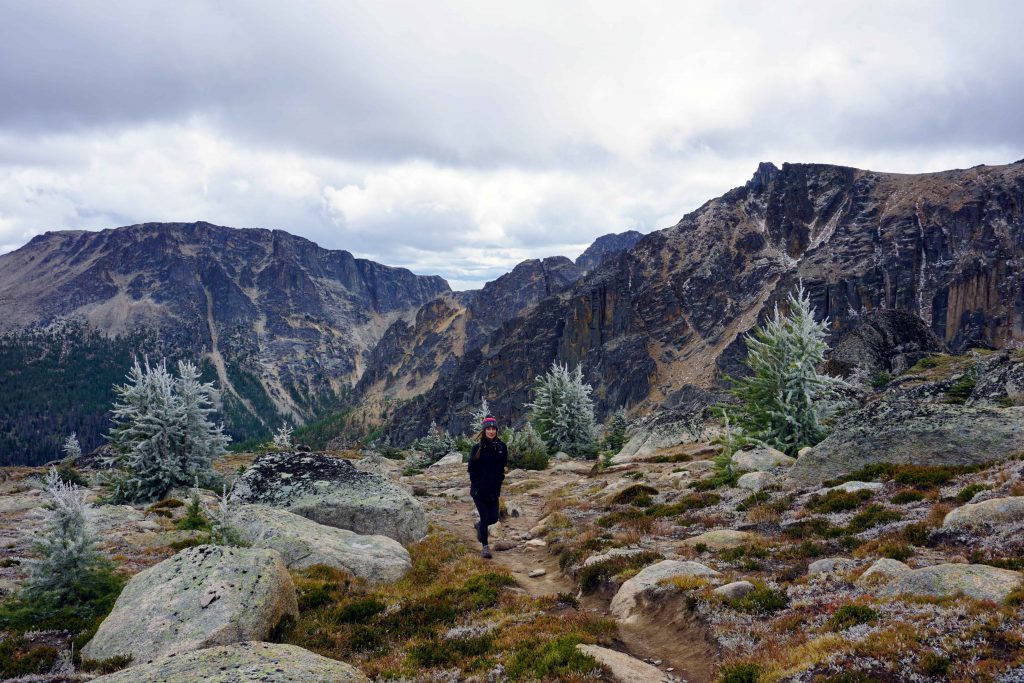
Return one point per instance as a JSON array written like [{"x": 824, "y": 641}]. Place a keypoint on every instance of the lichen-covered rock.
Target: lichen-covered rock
[
  {"x": 203, "y": 596},
  {"x": 912, "y": 432},
  {"x": 303, "y": 543},
  {"x": 333, "y": 492},
  {"x": 886, "y": 340},
  {"x": 830, "y": 565},
  {"x": 734, "y": 590},
  {"x": 882, "y": 570},
  {"x": 659, "y": 430},
  {"x": 978, "y": 581},
  {"x": 855, "y": 486},
  {"x": 241, "y": 663},
  {"x": 761, "y": 459},
  {"x": 624, "y": 603},
  {"x": 624, "y": 668},
  {"x": 722, "y": 539},
  {"x": 755, "y": 481},
  {"x": 450, "y": 460},
  {"x": 992, "y": 511}
]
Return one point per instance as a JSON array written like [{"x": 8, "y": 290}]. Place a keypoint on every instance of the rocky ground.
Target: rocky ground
[{"x": 892, "y": 559}]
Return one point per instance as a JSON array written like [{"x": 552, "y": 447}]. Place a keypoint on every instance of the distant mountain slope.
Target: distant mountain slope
[
  {"x": 284, "y": 324},
  {"x": 948, "y": 247}
]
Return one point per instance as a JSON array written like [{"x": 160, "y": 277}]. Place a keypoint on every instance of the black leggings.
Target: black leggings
[{"x": 487, "y": 506}]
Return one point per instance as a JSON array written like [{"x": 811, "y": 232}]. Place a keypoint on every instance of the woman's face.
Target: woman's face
[{"x": 490, "y": 432}]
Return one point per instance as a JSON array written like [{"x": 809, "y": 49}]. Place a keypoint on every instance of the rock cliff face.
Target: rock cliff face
[
  {"x": 262, "y": 306},
  {"x": 410, "y": 357},
  {"x": 606, "y": 246},
  {"x": 671, "y": 311}
]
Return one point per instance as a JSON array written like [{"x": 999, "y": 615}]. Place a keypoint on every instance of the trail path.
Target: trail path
[{"x": 652, "y": 639}]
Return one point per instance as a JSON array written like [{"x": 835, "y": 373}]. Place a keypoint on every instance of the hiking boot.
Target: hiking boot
[{"x": 486, "y": 552}]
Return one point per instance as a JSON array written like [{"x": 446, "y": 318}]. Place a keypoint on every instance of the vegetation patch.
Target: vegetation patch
[
  {"x": 742, "y": 672},
  {"x": 906, "y": 496},
  {"x": 401, "y": 630},
  {"x": 838, "y": 500},
  {"x": 636, "y": 494},
  {"x": 968, "y": 492},
  {"x": 590, "y": 577},
  {"x": 872, "y": 516},
  {"x": 851, "y": 615},
  {"x": 20, "y": 658},
  {"x": 763, "y": 600}
]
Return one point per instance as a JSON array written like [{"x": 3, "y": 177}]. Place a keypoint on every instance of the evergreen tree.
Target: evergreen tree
[
  {"x": 65, "y": 552},
  {"x": 435, "y": 445},
  {"x": 562, "y": 411},
  {"x": 72, "y": 449},
  {"x": 526, "y": 449},
  {"x": 785, "y": 399},
  {"x": 283, "y": 437},
  {"x": 616, "y": 437},
  {"x": 162, "y": 436},
  {"x": 477, "y": 416}
]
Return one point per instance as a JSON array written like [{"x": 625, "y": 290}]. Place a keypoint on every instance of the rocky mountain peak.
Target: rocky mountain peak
[{"x": 606, "y": 246}]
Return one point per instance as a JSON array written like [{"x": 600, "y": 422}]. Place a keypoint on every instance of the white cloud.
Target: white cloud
[{"x": 457, "y": 138}]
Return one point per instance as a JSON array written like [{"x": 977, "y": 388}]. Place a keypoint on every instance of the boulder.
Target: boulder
[
  {"x": 452, "y": 459},
  {"x": 887, "y": 340},
  {"x": 624, "y": 603},
  {"x": 722, "y": 539},
  {"x": 854, "y": 486},
  {"x": 831, "y": 565},
  {"x": 333, "y": 492},
  {"x": 992, "y": 511},
  {"x": 240, "y": 663},
  {"x": 699, "y": 467},
  {"x": 303, "y": 543},
  {"x": 734, "y": 590},
  {"x": 612, "y": 554},
  {"x": 203, "y": 596},
  {"x": 882, "y": 570},
  {"x": 755, "y": 481},
  {"x": 659, "y": 430},
  {"x": 760, "y": 459},
  {"x": 978, "y": 581},
  {"x": 624, "y": 668},
  {"x": 906, "y": 432}
]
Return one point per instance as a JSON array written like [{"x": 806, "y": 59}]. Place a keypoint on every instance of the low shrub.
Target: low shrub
[
  {"x": 637, "y": 494},
  {"x": 906, "y": 496},
  {"x": 359, "y": 611},
  {"x": 851, "y": 615},
  {"x": 439, "y": 652},
  {"x": 742, "y": 672},
  {"x": 762, "y": 600},
  {"x": 968, "y": 492},
  {"x": 19, "y": 658},
  {"x": 590, "y": 577},
  {"x": 551, "y": 660},
  {"x": 916, "y": 534},
  {"x": 105, "y": 666},
  {"x": 934, "y": 665},
  {"x": 194, "y": 519},
  {"x": 838, "y": 500},
  {"x": 872, "y": 516}
]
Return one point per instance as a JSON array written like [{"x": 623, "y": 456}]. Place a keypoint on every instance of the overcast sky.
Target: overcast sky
[{"x": 458, "y": 138}]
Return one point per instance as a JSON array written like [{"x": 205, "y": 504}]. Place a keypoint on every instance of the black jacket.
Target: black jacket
[{"x": 487, "y": 467}]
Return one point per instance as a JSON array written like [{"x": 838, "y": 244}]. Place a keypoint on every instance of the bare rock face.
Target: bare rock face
[
  {"x": 303, "y": 543},
  {"x": 331, "y": 491},
  {"x": 902, "y": 431},
  {"x": 203, "y": 596},
  {"x": 241, "y": 663}
]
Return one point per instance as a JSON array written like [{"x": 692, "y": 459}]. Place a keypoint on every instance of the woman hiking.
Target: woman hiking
[{"x": 486, "y": 472}]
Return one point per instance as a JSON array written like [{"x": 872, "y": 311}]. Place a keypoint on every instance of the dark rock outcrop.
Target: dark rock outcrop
[
  {"x": 605, "y": 246},
  {"x": 887, "y": 340}
]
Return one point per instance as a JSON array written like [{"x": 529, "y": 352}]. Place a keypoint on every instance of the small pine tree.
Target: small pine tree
[
  {"x": 562, "y": 411},
  {"x": 476, "y": 417},
  {"x": 785, "y": 399},
  {"x": 526, "y": 449},
  {"x": 435, "y": 445},
  {"x": 65, "y": 552},
  {"x": 162, "y": 435},
  {"x": 72, "y": 449},
  {"x": 283, "y": 437},
  {"x": 222, "y": 528},
  {"x": 617, "y": 426}
]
